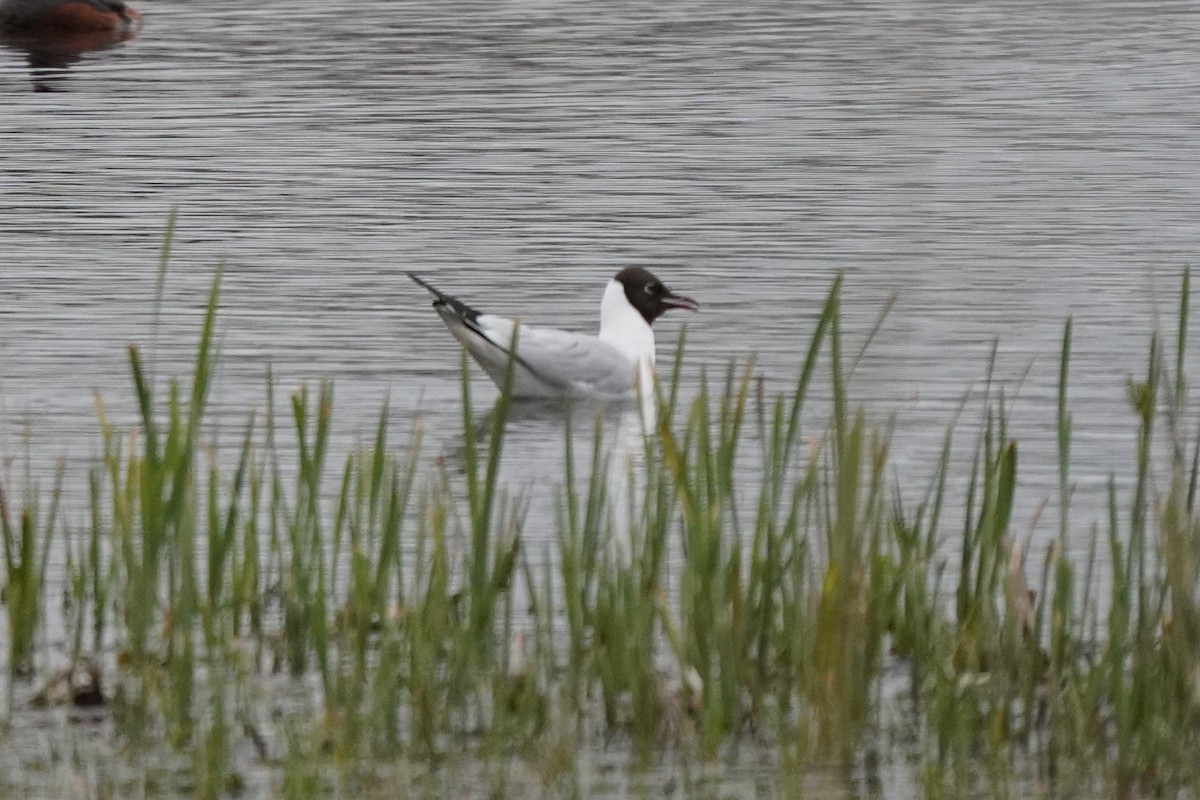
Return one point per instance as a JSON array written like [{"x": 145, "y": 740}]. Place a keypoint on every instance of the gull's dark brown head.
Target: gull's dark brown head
[{"x": 649, "y": 295}]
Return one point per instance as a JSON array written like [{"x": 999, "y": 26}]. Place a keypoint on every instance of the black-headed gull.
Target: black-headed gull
[{"x": 554, "y": 363}]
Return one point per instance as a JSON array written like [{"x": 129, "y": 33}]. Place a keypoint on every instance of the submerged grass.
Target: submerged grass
[{"x": 687, "y": 606}]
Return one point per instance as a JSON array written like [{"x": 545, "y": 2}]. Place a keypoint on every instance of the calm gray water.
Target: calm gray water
[{"x": 997, "y": 163}]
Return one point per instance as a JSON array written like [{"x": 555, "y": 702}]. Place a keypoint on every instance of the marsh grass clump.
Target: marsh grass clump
[
  {"x": 690, "y": 605},
  {"x": 26, "y": 534}
]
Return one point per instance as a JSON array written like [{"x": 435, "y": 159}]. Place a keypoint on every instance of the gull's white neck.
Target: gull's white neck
[{"x": 624, "y": 328}]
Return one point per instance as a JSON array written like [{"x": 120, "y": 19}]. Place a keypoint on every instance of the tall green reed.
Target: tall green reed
[
  {"x": 26, "y": 534},
  {"x": 685, "y": 604}
]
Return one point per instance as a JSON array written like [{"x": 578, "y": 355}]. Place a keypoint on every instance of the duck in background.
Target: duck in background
[
  {"x": 59, "y": 17},
  {"x": 54, "y": 34}
]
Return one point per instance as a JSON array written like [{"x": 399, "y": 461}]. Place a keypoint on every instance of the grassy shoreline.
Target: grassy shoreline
[{"x": 735, "y": 612}]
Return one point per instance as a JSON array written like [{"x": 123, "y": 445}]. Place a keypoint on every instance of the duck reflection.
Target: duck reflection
[{"x": 54, "y": 34}]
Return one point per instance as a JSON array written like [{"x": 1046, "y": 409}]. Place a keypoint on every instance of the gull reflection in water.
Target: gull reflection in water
[{"x": 534, "y": 439}]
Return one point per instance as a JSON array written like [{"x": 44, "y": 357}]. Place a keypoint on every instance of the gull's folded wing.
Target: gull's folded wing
[{"x": 549, "y": 363}]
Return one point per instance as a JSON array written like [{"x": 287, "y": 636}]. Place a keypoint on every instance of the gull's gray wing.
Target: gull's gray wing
[
  {"x": 549, "y": 362},
  {"x": 579, "y": 365}
]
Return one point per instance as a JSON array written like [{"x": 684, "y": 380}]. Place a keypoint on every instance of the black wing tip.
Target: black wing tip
[
  {"x": 423, "y": 284},
  {"x": 441, "y": 300},
  {"x": 438, "y": 296}
]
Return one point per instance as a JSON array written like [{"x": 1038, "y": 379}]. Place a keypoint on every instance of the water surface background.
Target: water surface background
[{"x": 995, "y": 164}]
